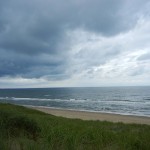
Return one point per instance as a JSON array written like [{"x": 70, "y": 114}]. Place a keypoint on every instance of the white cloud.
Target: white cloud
[{"x": 99, "y": 59}]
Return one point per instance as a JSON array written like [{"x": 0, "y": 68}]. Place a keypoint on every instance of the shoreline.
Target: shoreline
[{"x": 85, "y": 115}]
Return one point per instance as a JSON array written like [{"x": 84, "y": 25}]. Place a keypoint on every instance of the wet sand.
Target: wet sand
[{"x": 84, "y": 115}]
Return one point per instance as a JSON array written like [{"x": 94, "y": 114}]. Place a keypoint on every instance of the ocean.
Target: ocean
[{"x": 118, "y": 100}]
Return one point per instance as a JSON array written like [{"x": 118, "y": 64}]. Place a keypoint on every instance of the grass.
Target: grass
[{"x": 26, "y": 129}]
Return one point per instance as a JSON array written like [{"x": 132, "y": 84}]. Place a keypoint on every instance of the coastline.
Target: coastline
[{"x": 85, "y": 115}]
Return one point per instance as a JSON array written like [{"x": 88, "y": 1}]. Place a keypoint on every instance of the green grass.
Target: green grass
[{"x": 26, "y": 129}]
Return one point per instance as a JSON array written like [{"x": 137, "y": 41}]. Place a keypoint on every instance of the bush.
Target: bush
[{"x": 19, "y": 124}]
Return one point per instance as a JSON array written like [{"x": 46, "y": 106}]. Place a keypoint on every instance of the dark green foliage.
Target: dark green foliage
[
  {"x": 16, "y": 124},
  {"x": 27, "y": 129}
]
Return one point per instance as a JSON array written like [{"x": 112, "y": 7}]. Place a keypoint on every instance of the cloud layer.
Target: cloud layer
[{"x": 74, "y": 43}]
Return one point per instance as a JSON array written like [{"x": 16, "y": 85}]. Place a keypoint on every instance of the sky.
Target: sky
[{"x": 73, "y": 43}]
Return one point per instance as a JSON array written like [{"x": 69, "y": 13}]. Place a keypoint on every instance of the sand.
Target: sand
[{"x": 84, "y": 115}]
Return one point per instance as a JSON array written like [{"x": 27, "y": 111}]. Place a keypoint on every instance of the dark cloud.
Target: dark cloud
[
  {"x": 33, "y": 66},
  {"x": 33, "y": 40}
]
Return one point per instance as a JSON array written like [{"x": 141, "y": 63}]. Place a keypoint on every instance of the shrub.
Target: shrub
[{"x": 19, "y": 124}]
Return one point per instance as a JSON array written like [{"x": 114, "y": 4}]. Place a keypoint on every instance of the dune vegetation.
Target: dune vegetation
[{"x": 22, "y": 128}]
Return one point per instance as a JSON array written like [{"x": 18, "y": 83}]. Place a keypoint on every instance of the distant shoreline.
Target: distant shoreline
[{"x": 85, "y": 115}]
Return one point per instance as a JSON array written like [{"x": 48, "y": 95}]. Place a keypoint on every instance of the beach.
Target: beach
[
  {"x": 121, "y": 100},
  {"x": 84, "y": 115}
]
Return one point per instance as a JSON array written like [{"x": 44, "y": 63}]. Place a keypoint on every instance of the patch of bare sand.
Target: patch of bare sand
[{"x": 94, "y": 115}]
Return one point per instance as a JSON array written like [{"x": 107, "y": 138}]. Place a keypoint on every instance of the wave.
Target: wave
[
  {"x": 114, "y": 101},
  {"x": 120, "y": 107},
  {"x": 40, "y": 99}
]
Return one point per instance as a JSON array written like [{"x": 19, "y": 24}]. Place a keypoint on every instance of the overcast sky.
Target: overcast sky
[{"x": 57, "y": 43}]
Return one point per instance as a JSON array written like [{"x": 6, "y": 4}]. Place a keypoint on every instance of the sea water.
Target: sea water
[{"x": 119, "y": 100}]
